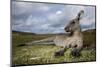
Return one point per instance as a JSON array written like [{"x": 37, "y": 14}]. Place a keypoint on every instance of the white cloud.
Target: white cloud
[
  {"x": 59, "y": 12},
  {"x": 86, "y": 21},
  {"x": 45, "y": 26}
]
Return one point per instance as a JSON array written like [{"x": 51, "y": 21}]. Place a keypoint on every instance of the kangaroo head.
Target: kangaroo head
[{"x": 74, "y": 24}]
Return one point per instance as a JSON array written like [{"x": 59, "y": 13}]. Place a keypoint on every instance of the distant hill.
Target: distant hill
[
  {"x": 90, "y": 30},
  {"x": 89, "y": 38},
  {"x": 19, "y": 32}
]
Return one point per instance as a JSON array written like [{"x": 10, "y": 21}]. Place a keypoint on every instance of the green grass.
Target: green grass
[{"x": 44, "y": 54}]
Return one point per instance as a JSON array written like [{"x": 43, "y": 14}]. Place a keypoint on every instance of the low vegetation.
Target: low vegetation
[{"x": 44, "y": 54}]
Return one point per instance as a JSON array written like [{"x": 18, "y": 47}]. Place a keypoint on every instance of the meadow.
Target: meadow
[{"x": 44, "y": 53}]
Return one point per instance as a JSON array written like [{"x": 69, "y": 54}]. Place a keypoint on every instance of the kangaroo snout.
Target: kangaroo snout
[{"x": 67, "y": 29}]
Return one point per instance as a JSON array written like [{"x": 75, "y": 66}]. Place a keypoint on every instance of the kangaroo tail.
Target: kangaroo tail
[{"x": 43, "y": 41}]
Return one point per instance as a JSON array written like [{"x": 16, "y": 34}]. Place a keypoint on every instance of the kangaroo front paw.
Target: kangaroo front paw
[
  {"x": 75, "y": 53},
  {"x": 59, "y": 53}
]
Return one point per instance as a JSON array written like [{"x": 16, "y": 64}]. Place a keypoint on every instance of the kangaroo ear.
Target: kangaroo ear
[{"x": 80, "y": 14}]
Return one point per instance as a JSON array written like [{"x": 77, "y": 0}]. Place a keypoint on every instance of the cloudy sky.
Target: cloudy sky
[{"x": 48, "y": 18}]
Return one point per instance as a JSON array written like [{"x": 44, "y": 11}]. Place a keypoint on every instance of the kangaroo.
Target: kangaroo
[{"x": 74, "y": 40}]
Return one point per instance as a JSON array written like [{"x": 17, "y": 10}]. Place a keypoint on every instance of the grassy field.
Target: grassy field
[{"x": 44, "y": 54}]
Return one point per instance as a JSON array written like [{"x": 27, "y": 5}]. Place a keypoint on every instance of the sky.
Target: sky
[{"x": 43, "y": 18}]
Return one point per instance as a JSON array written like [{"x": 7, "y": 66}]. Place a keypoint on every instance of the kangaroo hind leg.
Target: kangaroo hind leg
[
  {"x": 60, "y": 52},
  {"x": 76, "y": 51}
]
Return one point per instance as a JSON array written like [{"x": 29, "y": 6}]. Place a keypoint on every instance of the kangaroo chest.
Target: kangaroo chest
[{"x": 67, "y": 41}]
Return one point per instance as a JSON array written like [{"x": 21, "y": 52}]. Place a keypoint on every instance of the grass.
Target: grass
[{"x": 44, "y": 54}]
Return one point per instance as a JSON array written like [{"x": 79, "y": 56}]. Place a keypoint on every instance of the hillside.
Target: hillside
[{"x": 23, "y": 33}]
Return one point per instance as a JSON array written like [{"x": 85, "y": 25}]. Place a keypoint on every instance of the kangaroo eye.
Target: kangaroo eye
[{"x": 73, "y": 22}]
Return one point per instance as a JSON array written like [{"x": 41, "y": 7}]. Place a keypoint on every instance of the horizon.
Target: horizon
[{"x": 49, "y": 33}]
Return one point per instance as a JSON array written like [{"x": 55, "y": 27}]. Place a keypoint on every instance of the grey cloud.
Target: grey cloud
[{"x": 48, "y": 18}]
